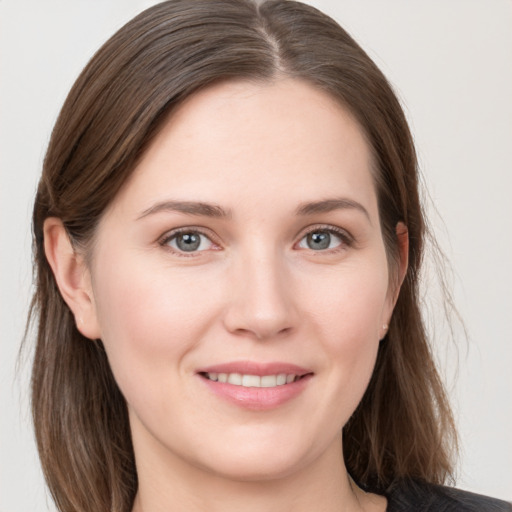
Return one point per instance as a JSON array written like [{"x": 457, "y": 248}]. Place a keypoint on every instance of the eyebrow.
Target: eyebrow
[
  {"x": 329, "y": 205},
  {"x": 216, "y": 211},
  {"x": 187, "y": 207}
]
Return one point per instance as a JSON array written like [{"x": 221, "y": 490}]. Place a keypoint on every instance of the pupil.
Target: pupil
[
  {"x": 319, "y": 240},
  {"x": 188, "y": 242}
]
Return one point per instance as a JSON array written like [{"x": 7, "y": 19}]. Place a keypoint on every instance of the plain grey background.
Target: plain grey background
[{"x": 451, "y": 64}]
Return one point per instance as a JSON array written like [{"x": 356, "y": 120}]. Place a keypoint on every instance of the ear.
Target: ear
[
  {"x": 72, "y": 276},
  {"x": 402, "y": 236}
]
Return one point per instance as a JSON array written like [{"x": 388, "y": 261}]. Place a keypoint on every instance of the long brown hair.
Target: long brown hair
[{"x": 403, "y": 426}]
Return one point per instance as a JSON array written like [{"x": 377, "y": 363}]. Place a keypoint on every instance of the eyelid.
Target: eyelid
[
  {"x": 164, "y": 239},
  {"x": 345, "y": 236}
]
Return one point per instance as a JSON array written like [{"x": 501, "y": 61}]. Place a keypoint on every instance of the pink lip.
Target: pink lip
[
  {"x": 257, "y": 399},
  {"x": 253, "y": 368}
]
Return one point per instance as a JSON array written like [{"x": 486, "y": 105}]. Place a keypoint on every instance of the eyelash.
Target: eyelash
[
  {"x": 168, "y": 237},
  {"x": 346, "y": 238}
]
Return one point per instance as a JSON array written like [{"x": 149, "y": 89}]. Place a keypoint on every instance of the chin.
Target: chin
[
  {"x": 261, "y": 461},
  {"x": 259, "y": 469}
]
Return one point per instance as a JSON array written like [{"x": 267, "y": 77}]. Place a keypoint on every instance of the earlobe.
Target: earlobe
[{"x": 72, "y": 276}]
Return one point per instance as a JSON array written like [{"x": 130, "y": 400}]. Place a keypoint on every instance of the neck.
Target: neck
[{"x": 323, "y": 484}]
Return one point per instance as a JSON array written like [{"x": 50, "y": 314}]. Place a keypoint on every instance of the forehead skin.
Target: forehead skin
[{"x": 216, "y": 134}]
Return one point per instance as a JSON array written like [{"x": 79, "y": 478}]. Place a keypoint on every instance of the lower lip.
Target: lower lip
[{"x": 258, "y": 399}]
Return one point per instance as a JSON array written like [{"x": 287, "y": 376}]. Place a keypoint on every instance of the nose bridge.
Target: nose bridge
[{"x": 262, "y": 302}]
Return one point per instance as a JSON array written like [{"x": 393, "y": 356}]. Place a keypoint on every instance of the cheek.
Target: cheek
[
  {"x": 352, "y": 303},
  {"x": 348, "y": 315},
  {"x": 149, "y": 320}
]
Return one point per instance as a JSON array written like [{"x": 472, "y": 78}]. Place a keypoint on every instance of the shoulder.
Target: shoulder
[{"x": 405, "y": 496}]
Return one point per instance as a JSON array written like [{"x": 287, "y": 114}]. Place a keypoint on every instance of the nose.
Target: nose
[{"x": 262, "y": 303}]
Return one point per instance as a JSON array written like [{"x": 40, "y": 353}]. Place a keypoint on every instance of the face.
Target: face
[{"x": 240, "y": 282}]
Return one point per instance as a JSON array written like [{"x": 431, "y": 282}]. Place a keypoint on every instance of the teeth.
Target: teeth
[
  {"x": 253, "y": 381},
  {"x": 235, "y": 378},
  {"x": 269, "y": 381}
]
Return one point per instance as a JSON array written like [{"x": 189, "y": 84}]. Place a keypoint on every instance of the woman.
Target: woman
[{"x": 228, "y": 239}]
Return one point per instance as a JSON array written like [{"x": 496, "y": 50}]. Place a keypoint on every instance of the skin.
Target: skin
[{"x": 255, "y": 290}]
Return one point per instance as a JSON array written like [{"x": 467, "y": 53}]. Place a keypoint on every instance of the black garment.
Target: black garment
[{"x": 414, "y": 496}]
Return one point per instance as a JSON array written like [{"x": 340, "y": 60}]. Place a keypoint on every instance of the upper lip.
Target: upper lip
[{"x": 254, "y": 368}]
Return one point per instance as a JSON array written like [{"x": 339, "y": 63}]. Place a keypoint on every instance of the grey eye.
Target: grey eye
[
  {"x": 320, "y": 240},
  {"x": 190, "y": 241}
]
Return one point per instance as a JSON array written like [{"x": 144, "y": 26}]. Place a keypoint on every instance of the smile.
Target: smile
[
  {"x": 256, "y": 386},
  {"x": 253, "y": 381}
]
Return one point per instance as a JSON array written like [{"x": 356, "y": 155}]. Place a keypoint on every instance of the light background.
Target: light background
[{"x": 451, "y": 64}]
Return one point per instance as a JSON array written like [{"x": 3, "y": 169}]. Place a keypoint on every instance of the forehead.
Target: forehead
[{"x": 252, "y": 141}]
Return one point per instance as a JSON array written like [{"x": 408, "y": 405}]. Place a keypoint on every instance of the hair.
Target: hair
[{"x": 403, "y": 427}]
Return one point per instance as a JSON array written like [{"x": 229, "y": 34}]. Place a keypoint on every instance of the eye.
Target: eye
[
  {"x": 188, "y": 241},
  {"x": 322, "y": 239}
]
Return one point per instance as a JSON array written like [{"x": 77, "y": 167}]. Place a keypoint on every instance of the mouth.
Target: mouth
[
  {"x": 256, "y": 386},
  {"x": 253, "y": 381}
]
